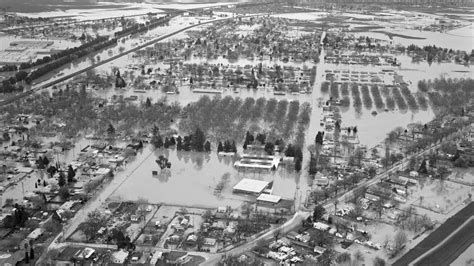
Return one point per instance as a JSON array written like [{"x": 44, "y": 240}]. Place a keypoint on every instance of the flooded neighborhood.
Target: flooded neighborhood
[{"x": 236, "y": 133}]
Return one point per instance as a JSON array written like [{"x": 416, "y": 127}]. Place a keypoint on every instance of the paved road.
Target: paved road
[
  {"x": 55, "y": 81},
  {"x": 102, "y": 196},
  {"x": 297, "y": 219}
]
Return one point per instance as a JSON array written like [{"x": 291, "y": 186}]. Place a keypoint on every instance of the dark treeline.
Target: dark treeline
[
  {"x": 67, "y": 56},
  {"x": 142, "y": 27},
  {"x": 377, "y": 97},
  {"x": 224, "y": 118},
  {"x": 68, "y": 59},
  {"x": 366, "y": 97},
  {"x": 432, "y": 52},
  {"x": 446, "y": 94}
]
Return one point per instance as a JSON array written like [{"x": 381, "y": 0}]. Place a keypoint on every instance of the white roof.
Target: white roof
[
  {"x": 102, "y": 171},
  {"x": 67, "y": 205},
  {"x": 319, "y": 225},
  {"x": 119, "y": 256},
  {"x": 269, "y": 198},
  {"x": 156, "y": 256},
  {"x": 35, "y": 233},
  {"x": 87, "y": 252},
  {"x": 251, "y": 185}
]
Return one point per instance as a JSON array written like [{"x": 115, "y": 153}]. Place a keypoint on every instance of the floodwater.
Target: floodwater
[
  {"x": 461, "y": 38},
  {"x": 193, "y": 177},
  {"x": 27, "y": 185},
  {"x": 126, "y": 9},
  {"x": 5, "y": 41},
  {"x": 458, "y": 39}
]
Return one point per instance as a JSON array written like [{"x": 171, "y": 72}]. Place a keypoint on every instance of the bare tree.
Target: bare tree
[
  {"x": 277, "y": 233},
  {"x": 379, "y": 261},
  {"x": 358, "y": 256},
  {"x": 400, "y": 240}
]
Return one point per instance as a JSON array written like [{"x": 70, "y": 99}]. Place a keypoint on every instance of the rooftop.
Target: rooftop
[
  {"x": 269, "y": 198},
  {"x": 250, "y": 186}
]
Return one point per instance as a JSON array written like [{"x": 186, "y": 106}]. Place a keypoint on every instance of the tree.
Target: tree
[
  {"x": 318, "y": 212},
  {"x": 156, "y": 138},
  {"x": 379, "y": 262},
  {"x": 297, "y": 165},
  {"x": 45, "y": 160},
  {"x": 207, "y": 215},
  {"x": 207, "y": 146},
  {"x": 39, "y": 163},
  {"x": 6, "y": 136},
  {"x": 21, "y": 75},
  {"x": 358, "y": 256},
  {"x": 387, "y": 155},
  {"x": 442, "y": 172},
  {"x": 110, "y": 130},
  {"x": 163, "y": 162},
  {"x": 433, "y": 159},
  {"x": 400, "y": 240},
  {"x": 220, "y": 147},
  {"x": 95, "y": 220},
  {"x": 198, "y": 140},
  {"x": 148, "y": 102},
  {"x": 343, "y": 258},
  {"x": 51, "y": 170},
  {"x": 61, "y": 179},
  {"x": 319, "y": 138},
  {"x": 70, "y": 174},
  {"x": 269, "y": 148},
  {"x": 64, "y": 193},
  {"x": 359, "y": 156},
  {"x": 423, "y": 169},
  {"x": 372, "y": 172},
  {"x": 277, "y": 233},
  {"x": 412, "y": 163},
  {"x": 461, "y": 162}
]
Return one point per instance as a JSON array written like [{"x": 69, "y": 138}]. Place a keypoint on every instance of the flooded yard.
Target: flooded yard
[
  {"x": 194, "y": 176},
  {"x": 441, "y": 196}
]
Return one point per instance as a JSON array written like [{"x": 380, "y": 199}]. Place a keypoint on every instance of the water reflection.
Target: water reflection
[{"x": 197, "y": 185}]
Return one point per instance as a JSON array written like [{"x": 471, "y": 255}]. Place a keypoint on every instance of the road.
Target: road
[
  {"x": 79, "y": 21},
  {"x": 102, "y": 196},
  {"x": 290, "y": 225},
  {"x": 212, "y": 259},
  {"x": 299, "y": 216},
  {"x": 105, "y": 61}
]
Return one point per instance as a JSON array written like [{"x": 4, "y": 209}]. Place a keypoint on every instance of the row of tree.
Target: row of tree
[
  {"x": 69, "y": 58},
  {"x": 228, "y": 146},
  {"x": 194, "y": 142},
  {"x": 142, "y": 27},
  {"x": 431, "y": 52}
]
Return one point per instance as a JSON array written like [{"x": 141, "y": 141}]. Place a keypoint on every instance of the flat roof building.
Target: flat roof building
[
  {"x": 250, "y": 186},
  {"x": 269, "y": 198}
]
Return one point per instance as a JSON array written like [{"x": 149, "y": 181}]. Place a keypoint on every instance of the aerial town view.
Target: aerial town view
[{"x": 250, "y": 132}]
